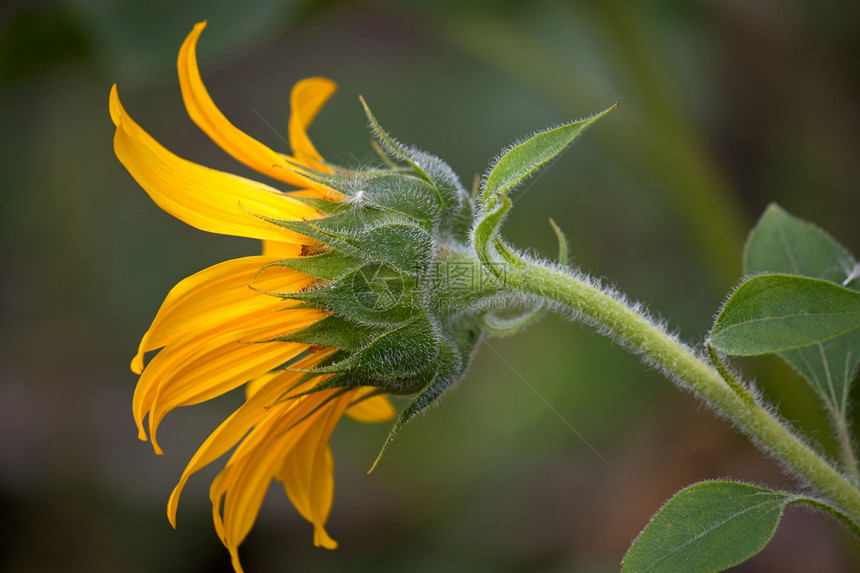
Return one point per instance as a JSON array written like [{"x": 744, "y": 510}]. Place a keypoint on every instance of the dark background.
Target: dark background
[{"x": 725, "y": 107}]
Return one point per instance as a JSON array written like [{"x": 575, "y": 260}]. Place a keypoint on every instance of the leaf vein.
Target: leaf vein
[{"x": 716, "y": 526}]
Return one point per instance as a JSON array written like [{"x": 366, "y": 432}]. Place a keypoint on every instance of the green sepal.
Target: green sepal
[
  {"x": 348, "y": 380},
  {"x": 402, "y": 193},
  {"x": 399, "y": 151},
  {"x": 498, "y": 326},
  {"x": 331, "y": 265},
  {"x": 345, "y": 380},
  {"x": 485, "y": 235},
  {"x": 392, "y": 191},
  {"x": 402, "y": 352},
  {"x": 325, "y": 206},
  {"x": 374, "y": 294},
  {"x": 333, "y": 179},
  {"x": 316, "y": 408},
  {"x": 403, "y": 246},
  {"x": 449, "y": 369},
  {"x": 314, "y": 230},
  {"x": 450, "y": 193},
  {"x": 310, "y": 375},
  {"x": 368, "y": 395},
  {"x": 344, "y": 223},
  {"x": 523, "y": 159},
  {"x": 353, "y": 380},
  {"x": 333, "y": 331},
  {"x": 372, "y": 234},
  {"x": 351, "y": 222},
  {"x": 395, "y": 189}
]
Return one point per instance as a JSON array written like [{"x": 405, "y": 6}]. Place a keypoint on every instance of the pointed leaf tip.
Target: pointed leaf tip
[
  {"x": 776, "y": 312},
  {"x": 525, "y": 158},
  {"x": 783, "y": 243},
  {"x": 706, "y": 527},
  {"x": 562, "y": 242}
]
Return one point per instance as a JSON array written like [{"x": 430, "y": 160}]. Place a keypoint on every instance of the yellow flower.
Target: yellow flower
[{"x": 221, "y": 327}]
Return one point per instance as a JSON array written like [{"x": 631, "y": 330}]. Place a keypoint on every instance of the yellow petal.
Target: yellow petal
[
  {"x": 370, "y": 410},
  {"x": 204, "y": 198},
  {"x": 308, "y": 479},
  {"x": 198, "y": 367},
  {"x": 244, "y": 481},
  {"x": 243, "y": 493},
  {"x": 281, "y": 250},
  {"x": 237, "y": 143},
  {"x": 306, "y": 100},
  {"x": 308, "y": 471},
  {"x": 186, "y": 378},
  {"x": 271, "y": 387},
  {"x": 218, "y": 296},
  {"x": 241, "y": 315}
]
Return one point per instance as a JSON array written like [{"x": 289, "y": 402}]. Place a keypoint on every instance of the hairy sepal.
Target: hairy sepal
[
  {"x": 401, "y": 352},
  {"x": 522, "y": 160},
  {"x": 456, "y": 207},
  {"x": 374, "y": 294}
]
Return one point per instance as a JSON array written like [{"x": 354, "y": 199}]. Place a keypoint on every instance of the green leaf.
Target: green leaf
[
  {"x": 774, "y": 313},
  {"x": 782, "y": 243},
  {"x": 706, "y": 527},
  {"x": 830, "y": 367},
  {"x": 523, "y": 159}
]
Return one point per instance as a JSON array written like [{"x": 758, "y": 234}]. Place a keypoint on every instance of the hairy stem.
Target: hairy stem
[
  {"x": 846, "y": 448},
  {"x": 743, "y": 408}
]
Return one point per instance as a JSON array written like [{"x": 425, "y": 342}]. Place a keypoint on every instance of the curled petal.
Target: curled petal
[
  {"x": 234, "y": 141},
  {"x": 218, "y": 297},
  {"x": 308, "y": 476},
  {"x": 238, "y": 491},
  {"x": 306, "y": 100},
  {"x": 204, "y": 198},
  {"x": 197, "y": 367},
  {"x": 271, "y": 386}
]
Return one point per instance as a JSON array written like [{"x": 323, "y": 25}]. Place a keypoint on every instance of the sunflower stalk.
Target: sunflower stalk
[{"x": 569, "y": 292}]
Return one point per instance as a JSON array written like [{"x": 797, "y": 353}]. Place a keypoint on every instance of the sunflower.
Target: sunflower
[
  {"x": 218, "y": 328},
  {"x": 367, "y": 286}
]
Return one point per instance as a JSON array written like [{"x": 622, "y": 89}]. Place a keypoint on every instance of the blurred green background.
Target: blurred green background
[{"x": 725, "y": 107}]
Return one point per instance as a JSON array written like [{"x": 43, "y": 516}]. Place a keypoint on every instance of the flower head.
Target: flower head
[{"x": 365, "y": 287}]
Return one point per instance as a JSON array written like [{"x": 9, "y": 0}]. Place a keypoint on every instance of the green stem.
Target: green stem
[
  {"x": 846, "y": 448},
  {"x": 680, "y": 363},
  {"x": 829, "y": 509}
]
